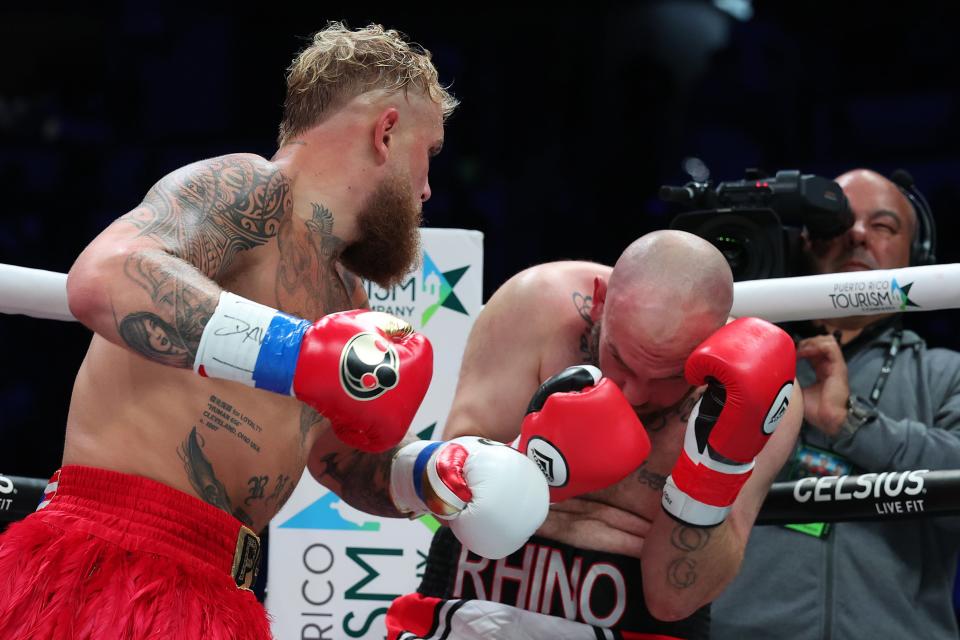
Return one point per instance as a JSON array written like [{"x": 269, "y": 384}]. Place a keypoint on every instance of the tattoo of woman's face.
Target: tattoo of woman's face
[{"x": 154, "y": 338}]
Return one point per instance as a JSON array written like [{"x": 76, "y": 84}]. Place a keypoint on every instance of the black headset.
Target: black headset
[{"x": 924, "y": 246}]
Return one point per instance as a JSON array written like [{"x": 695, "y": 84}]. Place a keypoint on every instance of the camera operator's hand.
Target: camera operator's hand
[{"x": 825, "y": 401}]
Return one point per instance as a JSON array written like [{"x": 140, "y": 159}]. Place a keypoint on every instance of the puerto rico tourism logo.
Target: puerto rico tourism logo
[
  {"x": 875, "y": 295},
  {"x": 429, "y": 291}
]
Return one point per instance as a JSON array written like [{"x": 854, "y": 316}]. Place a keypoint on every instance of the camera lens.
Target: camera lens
[
  {"x": 751, "y": 240},
  {"x": 735, "y": 249}
]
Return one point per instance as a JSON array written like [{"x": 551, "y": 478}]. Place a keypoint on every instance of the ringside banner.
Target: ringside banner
[{"x": 334, "y": 570}]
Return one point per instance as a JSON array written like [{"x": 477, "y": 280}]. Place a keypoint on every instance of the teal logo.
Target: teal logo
[
  {"x": 322, "y": 515},
  {"x": 872, "y": 296},
  {"x": 427, "y": 433},
  {"x": 440, "y": 284},
  {"x": 903, "y": 293}
]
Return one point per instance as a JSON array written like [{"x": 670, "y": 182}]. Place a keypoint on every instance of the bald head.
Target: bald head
[
  {"x": 884, "y": 224},
  {"x": 668, "y": 292},
  {"x": 672, "y": 281},
  {"x": 879, "y": 191}
]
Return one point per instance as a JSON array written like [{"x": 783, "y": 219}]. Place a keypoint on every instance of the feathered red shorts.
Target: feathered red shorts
[{"x": 119, "y": 556}]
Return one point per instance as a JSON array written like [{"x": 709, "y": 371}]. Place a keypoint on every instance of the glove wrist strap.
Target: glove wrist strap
[
  {"x": 696, "y": 492},
  {"x": 688, "y": 510},
  {"x": 406, "y": 477},
  {"x": 251, "y": 343}
]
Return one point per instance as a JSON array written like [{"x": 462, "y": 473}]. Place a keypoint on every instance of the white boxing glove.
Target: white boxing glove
[{"x": 493, "y": 497}]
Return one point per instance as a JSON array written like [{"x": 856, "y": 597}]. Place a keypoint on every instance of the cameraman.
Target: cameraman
[{"x": 860, "y": 579}]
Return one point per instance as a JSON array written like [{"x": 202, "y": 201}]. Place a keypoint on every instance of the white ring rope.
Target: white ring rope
[
  {"x": 43, "y": 294},
  {"x": 855, "y": 293},
  {"x": 34, "y": 292}
]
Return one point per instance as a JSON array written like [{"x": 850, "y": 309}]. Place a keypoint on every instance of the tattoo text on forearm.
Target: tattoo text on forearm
[{"x": 682, "y": 571}]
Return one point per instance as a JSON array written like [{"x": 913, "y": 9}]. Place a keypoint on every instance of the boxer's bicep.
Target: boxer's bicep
[
  {"x": 147, "y": 282},
  {"x": 500, "y": 369},
  {"x": 490, "y": 409},
  {"x": 208, "y": 212}
]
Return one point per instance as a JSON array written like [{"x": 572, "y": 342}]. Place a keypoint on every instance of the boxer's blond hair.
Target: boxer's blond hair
[{"x": 341, "y": 64}]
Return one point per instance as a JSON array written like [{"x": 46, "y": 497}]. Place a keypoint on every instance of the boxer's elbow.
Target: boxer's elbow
[
  {"x": 667, "y": 605},
  {"x": 89, "y": 283},
  {"x": 669, "y": 601},
  {"x": 689, "y": 587},
  {"x": 84, "y": 296}
]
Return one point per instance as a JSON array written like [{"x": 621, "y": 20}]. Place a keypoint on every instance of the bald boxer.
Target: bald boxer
[
  {"x": 647, "y": 554},
  {"x": 222, "y": 353}
]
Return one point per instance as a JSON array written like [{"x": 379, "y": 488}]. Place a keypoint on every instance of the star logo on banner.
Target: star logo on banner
[
  {"x": 904, "y": 293},
  {"x": 441, "y": 284}
]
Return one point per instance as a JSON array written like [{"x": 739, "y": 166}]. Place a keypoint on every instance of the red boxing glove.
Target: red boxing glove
[
  {"x": 582, "y": 432},
  {"x": 749, "y": 367},
  {"x": 367, "y": 372}
]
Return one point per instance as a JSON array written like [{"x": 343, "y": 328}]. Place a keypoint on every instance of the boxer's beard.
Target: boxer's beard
[{"x": 389, "y": 232}]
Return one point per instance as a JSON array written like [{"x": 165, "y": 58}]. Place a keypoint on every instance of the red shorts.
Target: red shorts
[{"x": 119, "y": 556}]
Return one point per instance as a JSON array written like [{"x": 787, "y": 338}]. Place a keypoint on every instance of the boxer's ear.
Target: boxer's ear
[
  {"x": 599, "y": 297},
  {"x": 383, "y": 133}
]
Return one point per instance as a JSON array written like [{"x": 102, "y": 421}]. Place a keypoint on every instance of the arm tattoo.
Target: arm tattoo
[
  {"x": 207, "y": 212},
  {"x": 202, "y": 478},
  {"x": 309, "y": 419},
  {"x": 203, "y": 214},
  {"x": 363, "y": 479},
  {"x": 658, "y": 420},
  {"x": 652, "y": 480},
  {"x": 689, "y": 539},
  {"x": 148, "y": 334},
  {"x": 171, "y": 336},
  {"x": 681, "y": 572}
]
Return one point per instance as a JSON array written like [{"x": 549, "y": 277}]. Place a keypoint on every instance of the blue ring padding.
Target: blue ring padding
[
  {"x": 419, "y": 465},
  {"x": 277, "y": 359}
]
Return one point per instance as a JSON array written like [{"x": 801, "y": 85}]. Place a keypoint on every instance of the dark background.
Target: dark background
[{"x": 572, "y": 116}]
